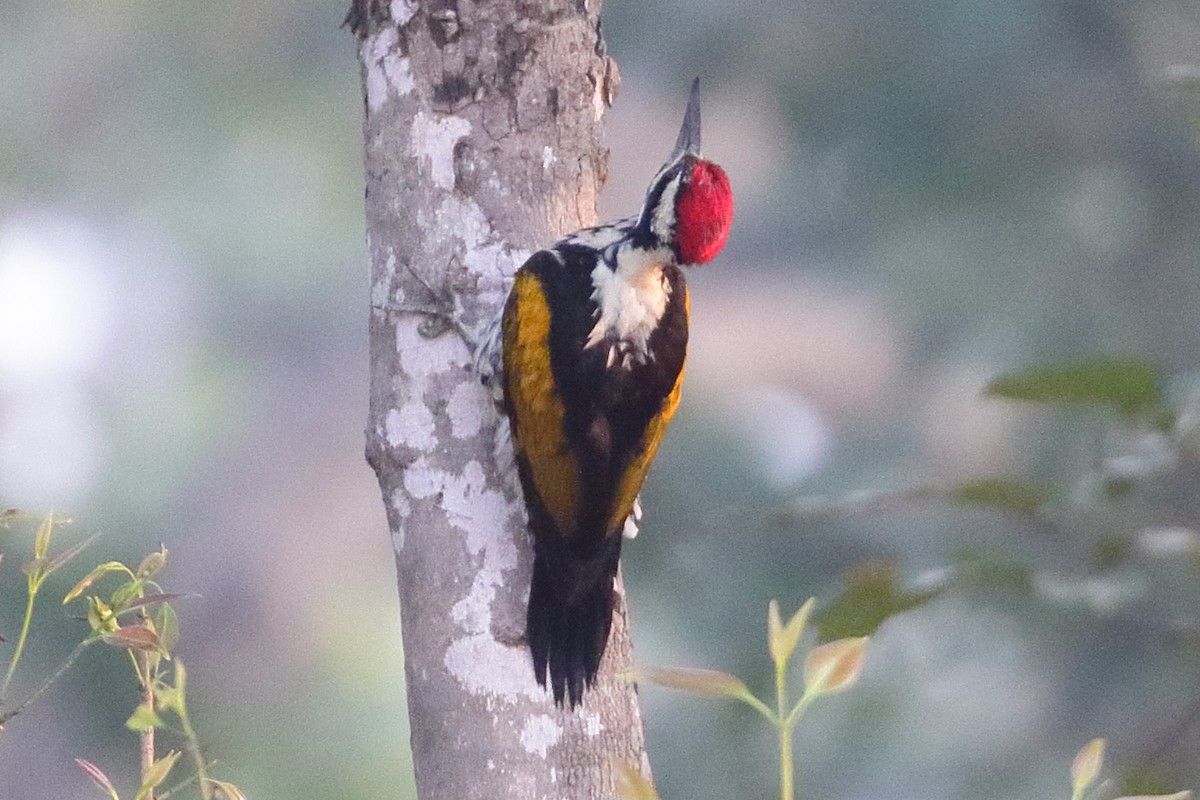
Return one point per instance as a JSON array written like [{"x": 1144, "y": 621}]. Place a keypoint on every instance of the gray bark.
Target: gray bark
[{"x": 482, "y": 144}]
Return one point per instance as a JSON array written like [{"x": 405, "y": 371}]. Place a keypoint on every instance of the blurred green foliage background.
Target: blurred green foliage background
[{"x": 929, "y": 194}]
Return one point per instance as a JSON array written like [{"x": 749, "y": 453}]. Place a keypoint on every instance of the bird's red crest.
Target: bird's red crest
[{"x": 704, "y": 213}]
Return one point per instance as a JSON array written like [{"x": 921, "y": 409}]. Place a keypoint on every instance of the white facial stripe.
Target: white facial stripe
[
  {"x": 664, "y": 214},
  {"x": 631, "y": 300}
]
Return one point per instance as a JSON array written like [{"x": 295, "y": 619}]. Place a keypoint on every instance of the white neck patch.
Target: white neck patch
[{"x": 630, "y": 302}]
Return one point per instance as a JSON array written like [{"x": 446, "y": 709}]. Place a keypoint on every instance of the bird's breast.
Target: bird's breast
[{"x": 630, "y": 296}]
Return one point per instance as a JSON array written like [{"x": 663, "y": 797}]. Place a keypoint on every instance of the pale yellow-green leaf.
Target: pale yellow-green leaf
[
  {"x": 632, "y": 785},
  {"x": 167, "y": 698},
  {"x": 226, "y": 789},
  {"x": 1086, "y": 765},
  {"x": 92, "y": 577},
  {"x": 68, "y": 555},
  {"x": 774, "y": 627},
  {"x": 156, "y": 774},
  {"x": 1176, "y": 796},
  {"x": 782, "y": 639},
  {"x": 41, "y": 540},
  {"x": 35, "y": 569},
  {"x": 180, "y": 678},
  {"x": 835, "y": 666},
  {"x": 100, "y": 616},
  {"x": 707, "y": 682},
  {"x": 126, "y": 593},
  {"x": 152, "y": 564},
  {"x": 98, "y": 777},
  {"x": 167, "y": 624},
  {"x": 143, "y": 718}
]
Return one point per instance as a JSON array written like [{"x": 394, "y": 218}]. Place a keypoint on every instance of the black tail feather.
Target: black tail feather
[{"x": 570, "y": 614}]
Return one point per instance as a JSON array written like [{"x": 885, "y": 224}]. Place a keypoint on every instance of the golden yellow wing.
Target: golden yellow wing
[
  {"x": 535, "y": 408},
  {"x": 635, "y": 473}
]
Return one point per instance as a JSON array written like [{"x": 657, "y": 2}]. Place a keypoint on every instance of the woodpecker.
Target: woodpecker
[{"x": 594, "y": 338}]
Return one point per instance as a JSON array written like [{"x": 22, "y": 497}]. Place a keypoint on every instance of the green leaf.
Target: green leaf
[
  {"x": 171, "y": 698},
  {"x": 100, "y": 616},
  {"x": 126, "y": 593},
  {"x": 156, "y": 774},
  {"x": 1022, "y": 497},
  {"x": 168, "y": 626},
  {"x": 143, "y": 718},
  {"x": 1129, "y": 386},
  {"x": 168, "y": 698},
  {"x": 1146, "y": 781},
  {"x": 98, "y": 777},
  {"x": 873, "y": 593}
]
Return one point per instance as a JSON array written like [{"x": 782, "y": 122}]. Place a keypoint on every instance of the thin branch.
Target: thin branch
[{"x": 58, "y": 673}]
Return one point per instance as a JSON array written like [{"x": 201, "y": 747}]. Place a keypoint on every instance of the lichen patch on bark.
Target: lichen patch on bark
[
  {"x": 466, "y": 410},
  {"x": 403, "y": 10},
  {"x": 411, "y": 425},
  {"x": 484, "y": 666},
  {"x": 422, "y": 358},
  {"x": 433, "y": 140},
  {"x": 539, "y": 733},
  {"x": 388, "y": 73}
]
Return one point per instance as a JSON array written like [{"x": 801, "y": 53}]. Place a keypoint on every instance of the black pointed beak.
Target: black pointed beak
[{"x": 689, "y": 133}]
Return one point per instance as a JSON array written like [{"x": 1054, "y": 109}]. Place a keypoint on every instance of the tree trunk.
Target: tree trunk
[{"x": 483, "y": 143}]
